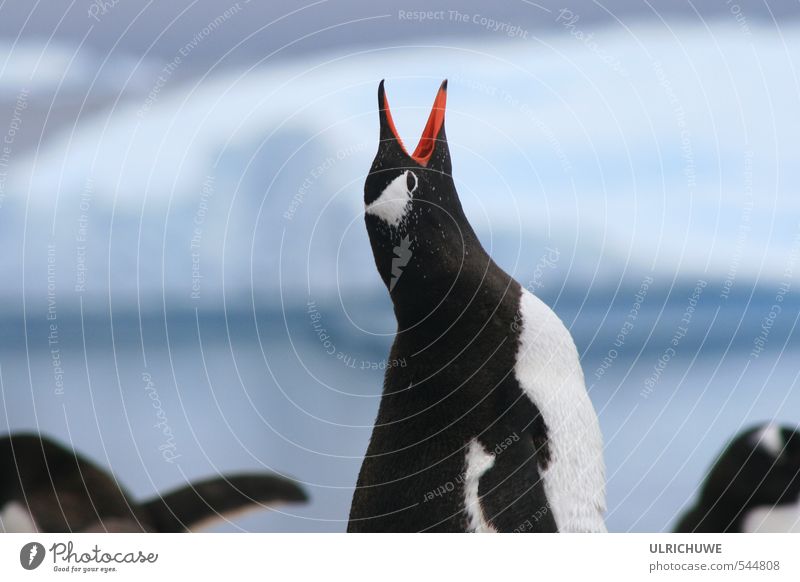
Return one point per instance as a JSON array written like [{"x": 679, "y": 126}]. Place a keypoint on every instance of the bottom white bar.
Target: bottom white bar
[{"x": 392, "y": 557}]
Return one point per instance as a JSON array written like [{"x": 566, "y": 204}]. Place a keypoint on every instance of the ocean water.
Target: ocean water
[{"x": 269, "y": 391}]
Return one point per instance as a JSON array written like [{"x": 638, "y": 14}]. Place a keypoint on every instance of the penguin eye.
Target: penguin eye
[{"x": 411, "y": 181}]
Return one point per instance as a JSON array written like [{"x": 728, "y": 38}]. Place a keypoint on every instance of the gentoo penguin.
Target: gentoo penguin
[
  {"x": 487, "y": 426},
  {"x": 754, "y": 485},
  {"x": 45, "y": 487}
]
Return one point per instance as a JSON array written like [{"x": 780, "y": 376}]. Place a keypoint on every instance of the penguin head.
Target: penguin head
[
  {"x": 760, "y": 467},
  {"x": 413, "y": 216}
]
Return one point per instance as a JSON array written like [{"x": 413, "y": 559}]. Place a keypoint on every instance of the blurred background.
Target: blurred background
[{"x": 187, "y": 286}]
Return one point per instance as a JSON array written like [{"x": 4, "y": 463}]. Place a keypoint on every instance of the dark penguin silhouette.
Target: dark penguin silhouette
[
  {"x": 45, "y": 487},
  {"x": 487, "y": 426},
  {"x": 754, "y": 485}
]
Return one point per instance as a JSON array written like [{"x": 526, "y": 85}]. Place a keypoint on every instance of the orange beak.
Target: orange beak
[{"x": 427, "y": 143}]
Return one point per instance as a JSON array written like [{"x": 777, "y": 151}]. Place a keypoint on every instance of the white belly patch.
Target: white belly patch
[
  {"x": 14, "y": 518},
  {"x": 549, "y": 371},
  {"x": 777, "y": 519}
]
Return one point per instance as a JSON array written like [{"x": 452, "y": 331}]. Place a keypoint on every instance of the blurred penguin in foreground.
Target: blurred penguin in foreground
[{"x": 45, "y": 487}]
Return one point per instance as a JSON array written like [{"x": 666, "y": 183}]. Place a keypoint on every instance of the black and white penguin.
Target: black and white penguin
[
  {"x": 754, "y": 485},
  {"x": 487, "y": 426},
  {"x": 45, "y": 487}
]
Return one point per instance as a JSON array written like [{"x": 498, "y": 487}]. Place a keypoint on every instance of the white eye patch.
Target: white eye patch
[
  {"x": 393, "y": 203},
  {"x": 770, "y": 439}
]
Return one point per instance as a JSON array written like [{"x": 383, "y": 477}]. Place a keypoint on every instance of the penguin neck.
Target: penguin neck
[{"x": 447, "y": 282}]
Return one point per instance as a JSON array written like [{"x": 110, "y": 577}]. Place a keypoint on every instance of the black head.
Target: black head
[
  {"x": 759, "y": 468},
  {"x": 762, "y": 466},
  {"x": 419, "y": 235}
]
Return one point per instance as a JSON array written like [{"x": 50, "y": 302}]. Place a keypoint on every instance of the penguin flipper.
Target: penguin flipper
[
  {"x": 512, "y": 494},
  {"x": 188, "y": 507}
]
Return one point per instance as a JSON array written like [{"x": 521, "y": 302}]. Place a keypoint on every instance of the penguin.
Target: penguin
[
  {"x": 488, "y": 426},
  {"x": 48, "y": 488},
  {"x": 753, "y": 486}
]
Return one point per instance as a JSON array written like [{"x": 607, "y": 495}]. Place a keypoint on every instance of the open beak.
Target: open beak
[{"x": 427, "y": 143}]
